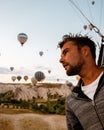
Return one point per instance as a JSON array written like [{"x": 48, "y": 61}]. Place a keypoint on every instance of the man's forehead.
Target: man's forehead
[{"x": 68, "y": 44}]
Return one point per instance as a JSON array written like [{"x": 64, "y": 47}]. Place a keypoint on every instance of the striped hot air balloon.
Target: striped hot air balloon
[
  {"x": 39, "y": 76},
  {"x": 22, "y": 38}
]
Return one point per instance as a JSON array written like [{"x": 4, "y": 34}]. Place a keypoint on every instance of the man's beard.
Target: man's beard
[{"x": 74, "y": 70}]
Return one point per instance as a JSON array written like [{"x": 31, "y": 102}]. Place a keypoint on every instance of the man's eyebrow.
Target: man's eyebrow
[{"x": 66, "y": 49}]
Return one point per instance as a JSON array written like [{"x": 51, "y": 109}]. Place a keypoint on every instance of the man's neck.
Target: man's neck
[{"x": 91, "y": 75}]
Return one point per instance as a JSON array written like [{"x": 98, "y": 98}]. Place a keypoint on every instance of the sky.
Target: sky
[{"x": 44, "y": 22}]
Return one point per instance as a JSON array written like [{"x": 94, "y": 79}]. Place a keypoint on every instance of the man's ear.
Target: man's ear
[{"x": 85, "y": 51}]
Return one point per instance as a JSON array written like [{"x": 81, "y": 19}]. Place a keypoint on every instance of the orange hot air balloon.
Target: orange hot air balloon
[
  {"x": 25, "y": 77},
  {"x": 22, "y": 38}
]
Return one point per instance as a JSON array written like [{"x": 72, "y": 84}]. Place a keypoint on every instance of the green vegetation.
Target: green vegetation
[{"x": 55, "y": 104}]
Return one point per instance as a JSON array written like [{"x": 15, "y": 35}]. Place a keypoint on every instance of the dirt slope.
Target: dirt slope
[{"x": 32, "y": 122}]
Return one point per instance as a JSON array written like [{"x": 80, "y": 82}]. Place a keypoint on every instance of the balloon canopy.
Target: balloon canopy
[
  {"x": 11, "y": 68},
  {"x": 22, "y": 38},
  {"x": 19, "y": 78},
  {"x": 25, "y": 77},
  {"x": 40, "y": 53},
  {"x": 33, "y": 80},
  {"x": 39, "y": 76},
  {"x": 13, "y": 78},
  {"x": 85, "y": 27},
  {"x": 49, "y": 71}
]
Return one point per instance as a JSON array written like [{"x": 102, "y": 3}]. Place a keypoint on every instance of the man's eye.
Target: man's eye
[{"x": 65, "y": 52}]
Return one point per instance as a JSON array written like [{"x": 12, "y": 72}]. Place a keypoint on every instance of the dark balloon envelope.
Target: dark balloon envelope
[
  {"x": 39, "y": 76},
  {"x": 41, "y": 53},
  {"x": 19, "y": 78},
  {"x": 11, "y": 68}
]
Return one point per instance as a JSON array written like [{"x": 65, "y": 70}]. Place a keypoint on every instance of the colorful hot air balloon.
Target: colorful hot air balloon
[
  {"x": 11, "y": 68},
  {"x": 19, "y": 78},
  {"x": 39, "y": 76},
  {"x": 13, "y": 78},
  {"x": 22, "y": 38},
  {"x": 41, "y": 53},
  {"x": 25, "y": 77}
]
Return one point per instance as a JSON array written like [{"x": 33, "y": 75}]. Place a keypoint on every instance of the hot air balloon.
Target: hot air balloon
[
  {"x": 25, "y": 77},
  {"x": 91, "y": 26},
  {"x": 69, "y": 84},
  {"x": 19, "y": 78},
  {"x": 41, "y": 53},
  {"x": 13, "y": 78},
  {"x": 33, "y": 80},
  {"x": 58, "y": 80},
  {"x": 11, "y": 68},
  {"x": 22, "y": 38},
  {"x": 85, "y": 27},
  {"x": 93, "y": 2},
  {"x": 39, "y": 76},
  {"x": 49, "y": 71}
]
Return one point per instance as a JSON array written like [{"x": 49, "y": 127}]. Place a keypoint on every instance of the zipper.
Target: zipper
[
  {"x": 94, "y": 105},
  {"x": 95, "y": 108}
]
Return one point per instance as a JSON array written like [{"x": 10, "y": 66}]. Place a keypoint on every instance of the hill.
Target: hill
[{"x": 28, "y": 91}]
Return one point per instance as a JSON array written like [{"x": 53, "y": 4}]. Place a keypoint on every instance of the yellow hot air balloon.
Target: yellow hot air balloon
[{"x": 22, "y": 38}]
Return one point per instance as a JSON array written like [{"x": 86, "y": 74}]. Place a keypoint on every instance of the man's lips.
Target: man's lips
[{"x": 65, "y": 66}]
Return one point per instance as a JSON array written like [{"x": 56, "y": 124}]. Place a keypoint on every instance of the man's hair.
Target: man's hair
[{"x": 79, "y": 41}]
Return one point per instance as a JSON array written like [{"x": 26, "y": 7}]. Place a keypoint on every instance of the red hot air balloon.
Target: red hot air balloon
[{"x": 22, "y": 38}]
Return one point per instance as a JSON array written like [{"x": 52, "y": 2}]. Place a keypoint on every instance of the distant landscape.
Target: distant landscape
[{"x": 33, "y": 107}]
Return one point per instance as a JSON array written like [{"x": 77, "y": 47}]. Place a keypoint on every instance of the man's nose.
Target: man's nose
[{"x": 61, "y": 60}]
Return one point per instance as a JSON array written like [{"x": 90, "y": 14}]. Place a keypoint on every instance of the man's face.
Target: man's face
[{"x": 71, "y": 58}]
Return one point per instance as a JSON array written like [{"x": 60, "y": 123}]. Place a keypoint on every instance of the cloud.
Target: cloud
[{"x": 4, "y": 70}]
